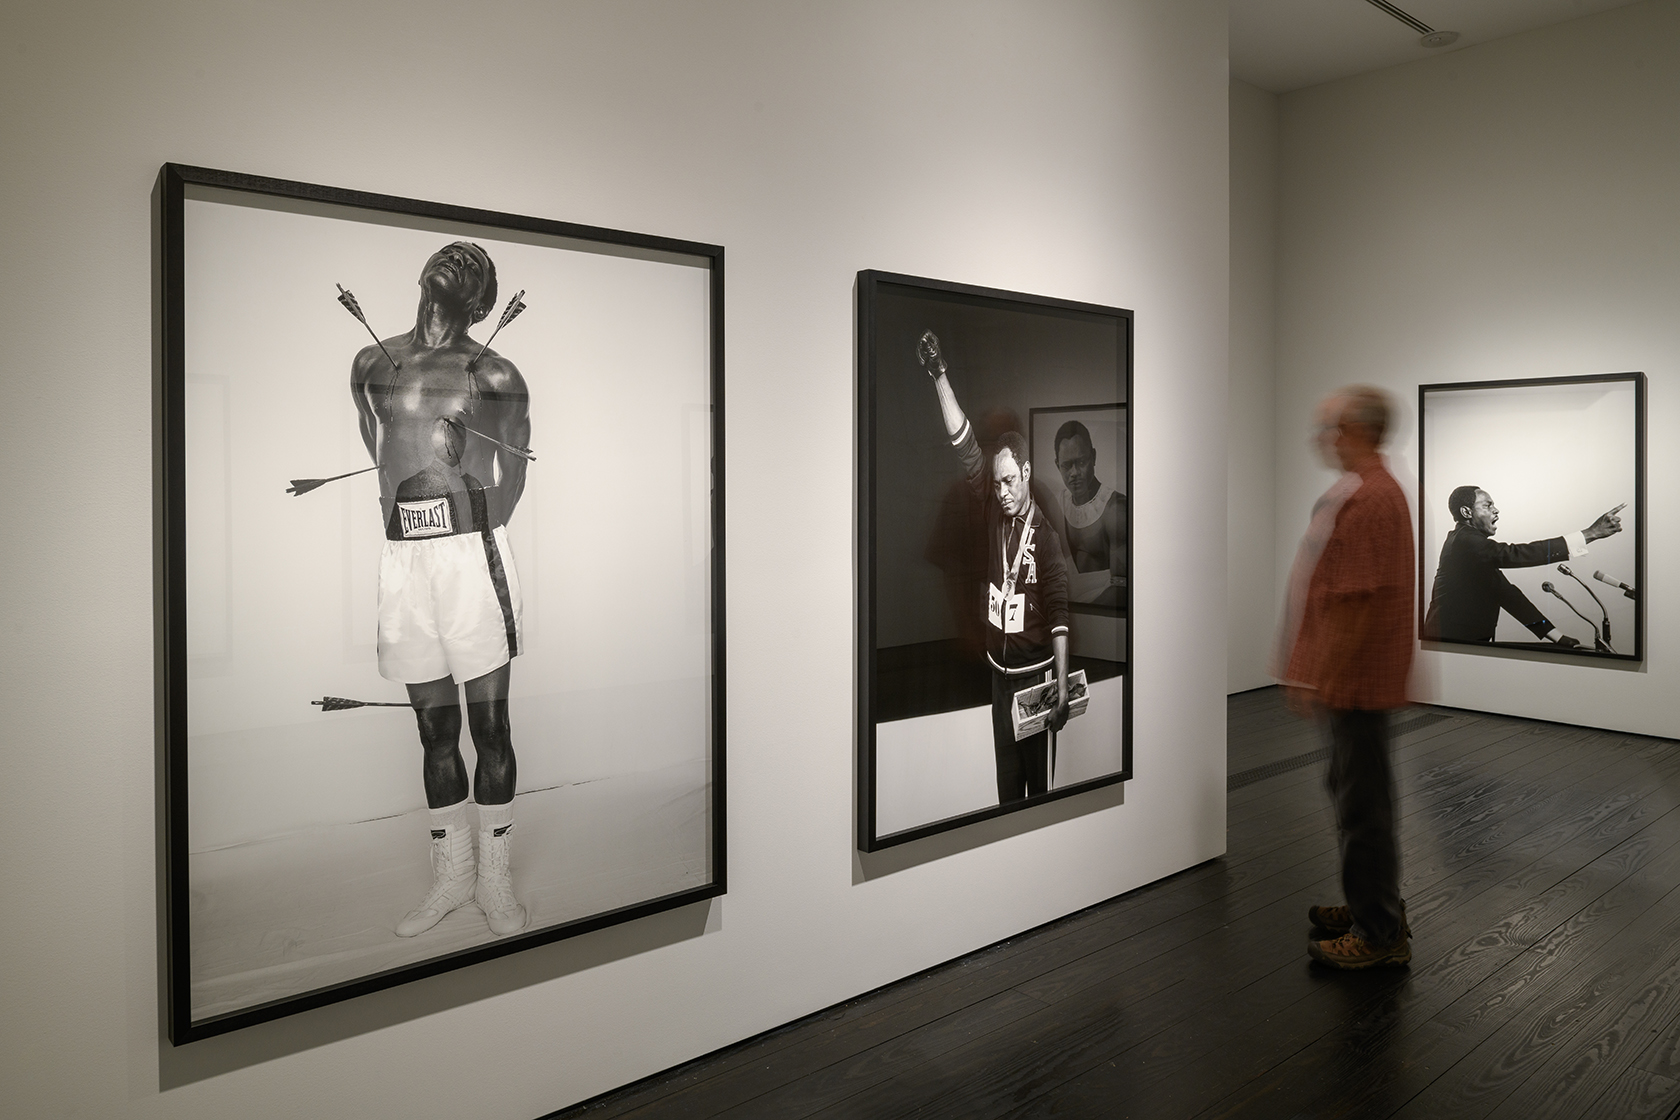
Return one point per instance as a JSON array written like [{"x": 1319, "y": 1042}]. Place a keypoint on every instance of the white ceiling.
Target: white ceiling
[{"x": 1283, "y": 45}]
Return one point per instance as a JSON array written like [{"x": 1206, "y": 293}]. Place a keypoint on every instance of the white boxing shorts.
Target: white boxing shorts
[{"x": 448, "y": 607}]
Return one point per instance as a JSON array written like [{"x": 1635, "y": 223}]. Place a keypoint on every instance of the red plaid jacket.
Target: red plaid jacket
[{"x": 1369, "y": 560}]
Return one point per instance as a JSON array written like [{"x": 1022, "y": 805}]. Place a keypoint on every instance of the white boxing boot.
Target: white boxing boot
[
  {"x": 453, "y": 872},
  {"x": 495, "y": 878}
]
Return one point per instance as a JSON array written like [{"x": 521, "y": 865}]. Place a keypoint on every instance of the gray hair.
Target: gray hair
[{"x": 1367, "y": 405}]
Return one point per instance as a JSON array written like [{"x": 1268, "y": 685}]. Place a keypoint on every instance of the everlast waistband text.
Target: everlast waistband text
[{"x": 425, "y": 519}]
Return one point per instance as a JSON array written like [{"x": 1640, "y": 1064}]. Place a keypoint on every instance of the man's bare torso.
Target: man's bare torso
[{"x": 417, "y": 420}]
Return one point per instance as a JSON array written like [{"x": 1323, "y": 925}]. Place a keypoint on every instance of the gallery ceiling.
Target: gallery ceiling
[{"x": 1283, "y": 45}]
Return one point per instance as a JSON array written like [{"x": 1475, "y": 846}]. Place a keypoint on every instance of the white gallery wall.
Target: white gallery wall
[
  {"x": 1251, "y": 450},
  {"x": 1077, "y": 149},
  {"x": 1507, "y": 210}
]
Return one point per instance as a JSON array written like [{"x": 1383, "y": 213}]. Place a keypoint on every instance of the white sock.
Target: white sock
[
  {"x": 495, "y": 819},
  {"x": 450, "y": 815}
]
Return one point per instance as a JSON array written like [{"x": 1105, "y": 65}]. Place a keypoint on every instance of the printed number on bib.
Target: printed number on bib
[{"x": 1006, "y": 612}]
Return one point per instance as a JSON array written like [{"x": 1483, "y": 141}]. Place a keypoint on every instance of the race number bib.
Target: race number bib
[{"x": 1006, "y": 612}]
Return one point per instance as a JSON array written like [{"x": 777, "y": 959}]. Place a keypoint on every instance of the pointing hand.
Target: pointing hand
[{"x": 1607, "y": 525}]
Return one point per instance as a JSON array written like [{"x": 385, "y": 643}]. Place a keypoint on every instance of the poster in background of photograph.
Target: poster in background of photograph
[
  {"x": 1094, "y": 435},
  {"x": 926, "y": 755},
  {"x": 1553, "y": 454},
  {"x": 297, "y": 834}
]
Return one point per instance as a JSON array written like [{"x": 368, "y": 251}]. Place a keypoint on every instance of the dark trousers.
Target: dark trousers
[
  {"x": 1023, "y": 768},
  {"x": 1361, "y": 785}
]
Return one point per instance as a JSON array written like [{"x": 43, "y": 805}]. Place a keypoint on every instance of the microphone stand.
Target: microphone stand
[
  {"x": 1598, "y": 641},
  {"x": 1566, "y": 570}
]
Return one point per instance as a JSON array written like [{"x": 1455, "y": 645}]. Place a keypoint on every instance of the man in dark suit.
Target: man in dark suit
[{"x": 1470, "y": 586}]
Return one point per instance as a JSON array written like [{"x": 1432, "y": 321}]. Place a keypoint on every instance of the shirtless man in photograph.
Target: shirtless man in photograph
[{"x": 448, "y": 432}]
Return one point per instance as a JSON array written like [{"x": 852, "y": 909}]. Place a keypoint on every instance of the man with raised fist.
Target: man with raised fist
[{"x": 1026, "y": 611}]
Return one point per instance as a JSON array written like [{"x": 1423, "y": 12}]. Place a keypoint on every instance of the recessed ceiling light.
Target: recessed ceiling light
[{"x": 1439, "y": 38}]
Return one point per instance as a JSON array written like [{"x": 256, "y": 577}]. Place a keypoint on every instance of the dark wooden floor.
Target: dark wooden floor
[{"x": 1541, "y": 864}]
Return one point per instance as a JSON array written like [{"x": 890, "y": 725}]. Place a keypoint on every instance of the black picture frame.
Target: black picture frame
[
  {"x": 919, "y": 621},
  {"x": 1556, "y": 447},
  {"x": 218, "y": 231}
]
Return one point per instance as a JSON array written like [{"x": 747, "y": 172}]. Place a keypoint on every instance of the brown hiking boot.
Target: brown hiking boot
[
  {"x": 1335, "y": 919},
  {"x": 1339, "y": 919},
  {"x": 1352, "y": 951}
]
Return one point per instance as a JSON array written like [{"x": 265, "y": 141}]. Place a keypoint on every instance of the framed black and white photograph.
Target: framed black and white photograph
[
  {"x": 994, "y": 530},
  {"x": 441, "y": 604},
  {"x": 1531, "y": 515}
]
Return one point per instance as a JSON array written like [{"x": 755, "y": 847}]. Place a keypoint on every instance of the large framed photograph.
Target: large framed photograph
[
  {"x": 994, "y": 546},
  {"x": 1531, "y": 515},
  {"x": 441, "y": 646}
]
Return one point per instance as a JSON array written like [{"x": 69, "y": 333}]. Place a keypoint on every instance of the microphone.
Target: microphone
[
  {"x": 1550, "y": 590},
  {"x": 1564, "y": 568},
  {"x": 1630, "y": 592}
]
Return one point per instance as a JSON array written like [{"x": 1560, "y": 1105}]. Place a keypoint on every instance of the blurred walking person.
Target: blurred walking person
[{"x": 1344, "y": 654}]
